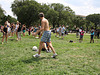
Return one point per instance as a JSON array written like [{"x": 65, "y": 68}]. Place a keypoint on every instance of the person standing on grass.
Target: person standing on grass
[
  {"x": 92, "y": 35},
  {"x": 59, "y": 31},
  {"x": 12, "y": 29},
  {"x": 81, "y": 35},
  {"x": 16, "y": 28},
  {"x": 35, "y": 29},
  {"x": 24, "y": 29},
  {"x": 77, "y": 32},
  {"x": 63, "y": 31},
  {"x": 19, "y": 31},
  {"x": 9, "y": 29},
  {"x": 29, "y": 31},
  {"x": 46, "y": 35},
  {"x": 5, "y": 31},
  {"x": 80, "y": 30},
  {"x": 98, "y": 34}
]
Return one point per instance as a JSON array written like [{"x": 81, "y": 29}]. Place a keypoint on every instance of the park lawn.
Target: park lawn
[{"x": 73, "y": 58}]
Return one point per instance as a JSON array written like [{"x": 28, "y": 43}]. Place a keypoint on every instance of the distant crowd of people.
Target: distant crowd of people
[
  {"x": 93, "y": 33},
  {"x": 62, "y": 31},
  {"x": 9, "y": 30}
]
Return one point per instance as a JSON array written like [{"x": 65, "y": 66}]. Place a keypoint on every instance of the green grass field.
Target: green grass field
[{"x": 73, "y": 58}]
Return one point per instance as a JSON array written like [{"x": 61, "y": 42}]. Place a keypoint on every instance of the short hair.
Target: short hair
[{"x": 41, "y": 14}]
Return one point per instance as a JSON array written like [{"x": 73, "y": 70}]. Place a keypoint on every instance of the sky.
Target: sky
[{"x": 80, "y": 7}]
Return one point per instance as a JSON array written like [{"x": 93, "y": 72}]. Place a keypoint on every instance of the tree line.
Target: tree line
[
  {"x": 27, "y": 13},
  {"x": 4, "y": 18}
]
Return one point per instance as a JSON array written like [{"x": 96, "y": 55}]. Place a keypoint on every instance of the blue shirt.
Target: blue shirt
[{"x": 92, "y": 33}]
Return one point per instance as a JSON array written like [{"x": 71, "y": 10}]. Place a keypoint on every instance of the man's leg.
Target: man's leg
[
  {"x": 50, "y": 45},
  {"x": 40, "y": 47},
  {"x": 54, "y": 53}
]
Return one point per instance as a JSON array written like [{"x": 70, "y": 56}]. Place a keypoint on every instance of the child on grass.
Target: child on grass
[
  {"x": 19, "y": 32},
  {"x": 5, "y": 31},
  {"x": 92, "y": 35},
  {"x": 81, "y": 35}
]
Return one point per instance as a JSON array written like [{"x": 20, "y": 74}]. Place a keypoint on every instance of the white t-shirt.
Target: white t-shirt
[
  {"x": 59, "y": 29},
  {"x": 8, "y": 24},
  {"x": 80, "y": 30},
  {"x": 63, "y": 29},
  {"x": 17, "y": 26}
]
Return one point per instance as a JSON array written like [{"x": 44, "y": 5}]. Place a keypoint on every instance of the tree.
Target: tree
[
  {"x": 44, "y": 8},
  {"x": 26, "y": 11},
  {"x": 95, "y": 18},
  {"x": 52, "y": 16},
  {"x": 9, "y": 18},
  {"x": 65, "y": 14},
  {"x": 78, "y": 21},
  {"x": 4, "y": 18},
  {"x": 1, "y": 14}
]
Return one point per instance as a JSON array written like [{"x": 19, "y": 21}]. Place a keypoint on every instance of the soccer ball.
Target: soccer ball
[{"x": 34, "y": 48}]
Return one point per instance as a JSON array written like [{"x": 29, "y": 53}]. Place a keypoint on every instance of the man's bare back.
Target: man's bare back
[{"x": 45, "y": 24}]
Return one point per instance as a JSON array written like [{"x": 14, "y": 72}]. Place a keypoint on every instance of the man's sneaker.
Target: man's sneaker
[
  {"x": 49, "y": 51},
  {"x": 54, "y": 55},
  {"x": 36, "y": 55}
]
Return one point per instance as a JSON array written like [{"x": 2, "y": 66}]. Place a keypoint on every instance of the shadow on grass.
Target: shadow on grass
[
  {"x": 31, "y": 60},
  {"x": 12, "y": 39}
]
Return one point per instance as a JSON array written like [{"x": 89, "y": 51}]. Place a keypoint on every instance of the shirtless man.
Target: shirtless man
[{"x": 46, "y": 35}]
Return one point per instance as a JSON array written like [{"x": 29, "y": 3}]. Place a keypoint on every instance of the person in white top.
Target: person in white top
[
  {"x": 59, "y": 31},
  {"x": 16, "y": 28},
  {"x": 9, "y": 29},
  {"x": 63, "y": 31},
  {"x": 80, "y": 29}
]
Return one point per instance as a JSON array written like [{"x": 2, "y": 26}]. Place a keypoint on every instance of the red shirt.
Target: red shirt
[{"x": 82, "y": 32}]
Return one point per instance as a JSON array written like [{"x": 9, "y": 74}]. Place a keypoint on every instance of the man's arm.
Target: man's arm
[{"x": 41, "y": 29}]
